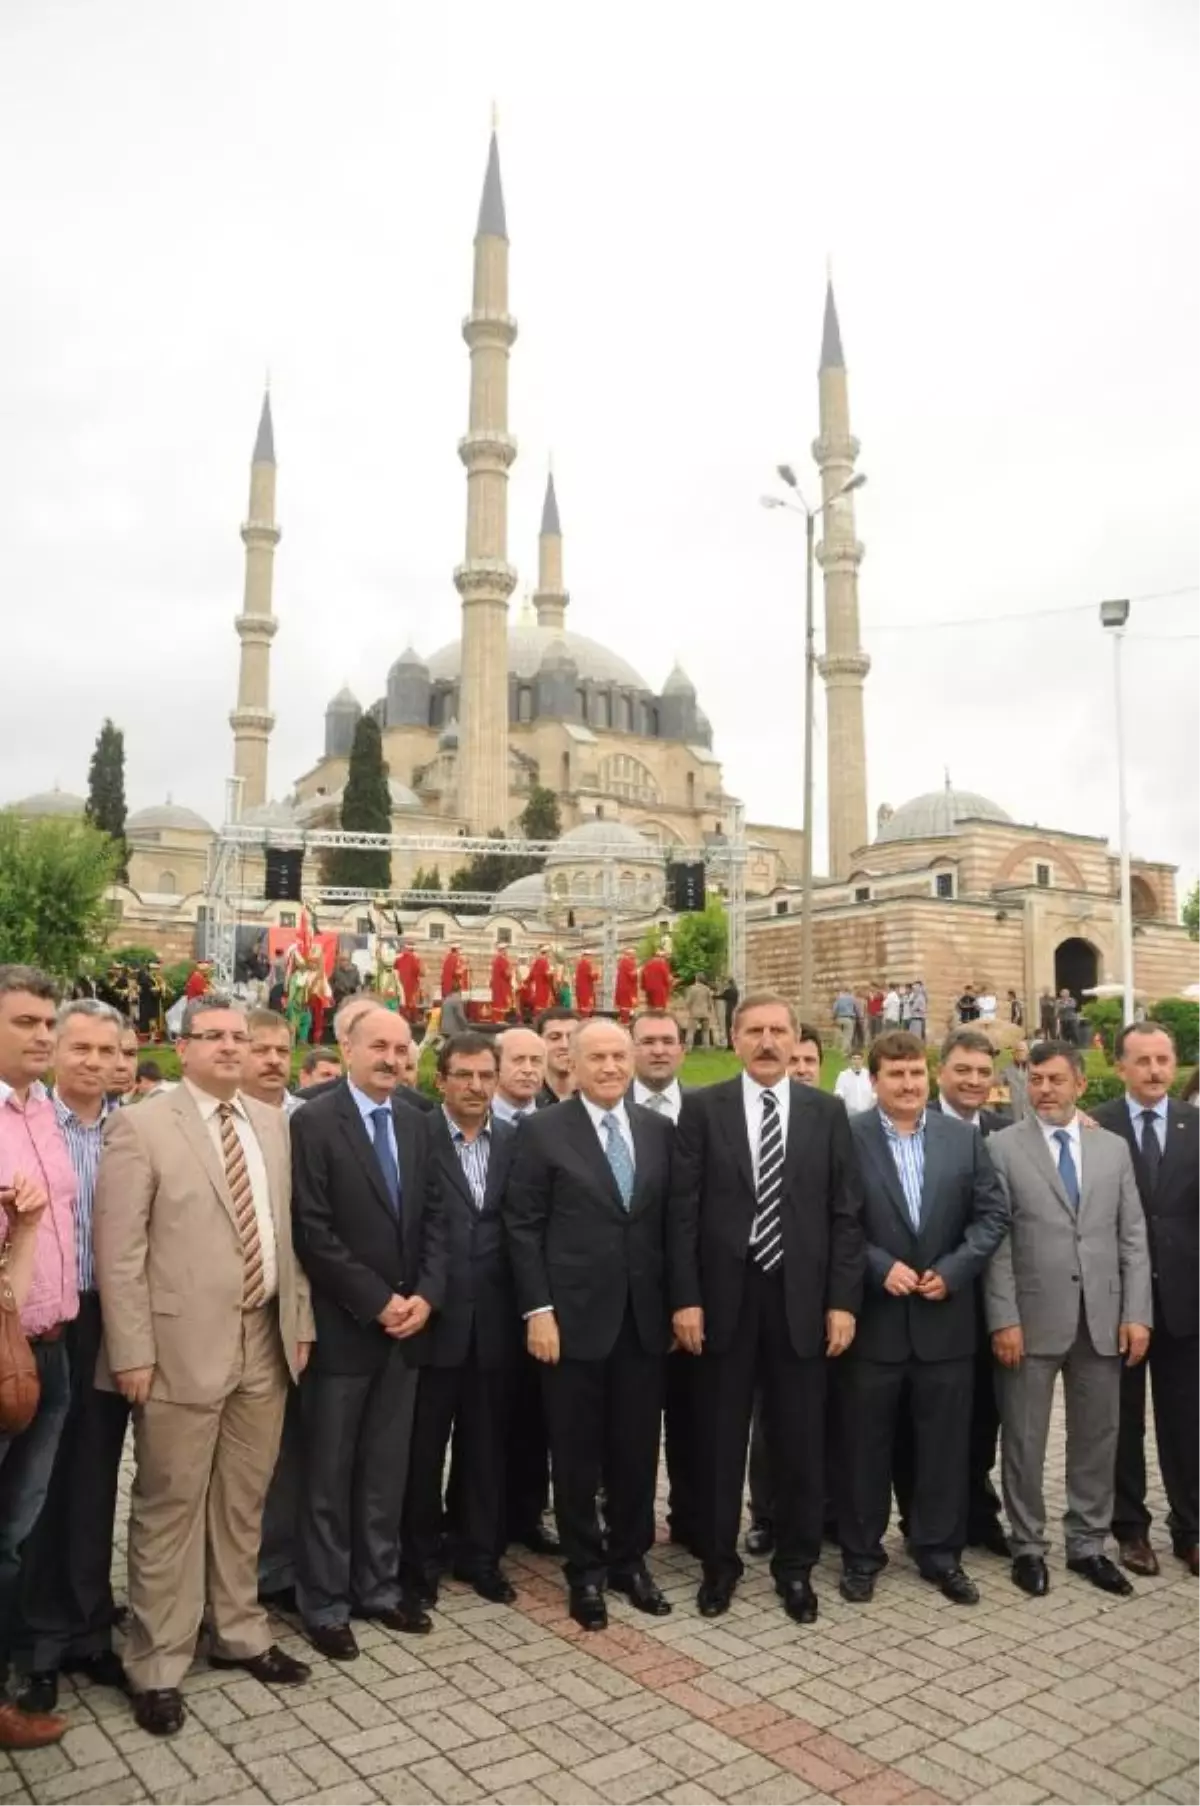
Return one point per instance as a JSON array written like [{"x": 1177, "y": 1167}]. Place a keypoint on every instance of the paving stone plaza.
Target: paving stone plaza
[{"x": 1074, "y": 1698}]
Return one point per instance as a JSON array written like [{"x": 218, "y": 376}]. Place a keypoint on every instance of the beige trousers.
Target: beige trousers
[{"x": 195, "y": 1520}]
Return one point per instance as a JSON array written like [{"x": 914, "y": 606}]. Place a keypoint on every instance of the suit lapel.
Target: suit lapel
[
  {"x": 734, "y": 1111},
  {"x": 881, "y": 1154},
  {"x": 1178, "y": 1116},
  {"x": 643, "y": 1157},
  {"x": 796, "y": 1132},
  {"x": 931, "y": 1187},
  {"x": 355, "y": 1131},
  {"x": 196, "y": 1133},
  {"x": 587, "y": 1143},
  {"x": 1039, "y": 1153}
]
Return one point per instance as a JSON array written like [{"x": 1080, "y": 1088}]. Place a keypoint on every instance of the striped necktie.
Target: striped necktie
[
  {"x": 237, "y": 1177},
  {"x": 766, "y": 1233}
]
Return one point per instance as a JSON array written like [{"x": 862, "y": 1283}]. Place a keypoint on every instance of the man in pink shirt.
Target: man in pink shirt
[{"x": 34, "y": 1166}]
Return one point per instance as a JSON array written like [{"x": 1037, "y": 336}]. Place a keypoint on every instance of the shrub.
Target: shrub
[{"x": 1182, "y": 1017}]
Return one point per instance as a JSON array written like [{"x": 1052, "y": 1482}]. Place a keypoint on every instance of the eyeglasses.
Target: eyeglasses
[{"x": 215, "y": 1035}]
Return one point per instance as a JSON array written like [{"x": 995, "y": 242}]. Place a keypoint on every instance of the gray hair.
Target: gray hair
[
  {"x": 761, "y": 1000},
  {"x": 93, "y": 1009},
  {"x": 27, "y": 979},
  {"x": 203, "y": 1006}
]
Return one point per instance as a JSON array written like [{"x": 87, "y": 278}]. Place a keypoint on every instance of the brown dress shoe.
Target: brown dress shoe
[
  {"x": 28, "y": 1730},
  {"x": 1139, "y": 1557},
  {"x": 1191, "y": 1560}
]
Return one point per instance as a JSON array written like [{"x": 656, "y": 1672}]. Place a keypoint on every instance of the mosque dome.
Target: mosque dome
[
  {"x": 936, "y": 813},
  {"x": 524, "y": 896},
  {"x": 595, "y": 840},
  {"x": 528, "y": 644},
  {"x": 50, "y": 802},
  {"x": 345, "y": 702},
  {"x": 169, "y": 817}
]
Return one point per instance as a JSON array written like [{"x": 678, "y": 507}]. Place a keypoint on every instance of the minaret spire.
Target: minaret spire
[
  {"x": 845, "y": 665},
  {"x": 485, "y": 579},
  {"x": 551, "y": 598},
  {"x": 252, "y": 719}
]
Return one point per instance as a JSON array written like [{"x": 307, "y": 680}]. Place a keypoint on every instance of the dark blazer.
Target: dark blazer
[
  {"x": 546, "y": 1098},
  {"x": 964, "y": 1218},
  {"x": 480, "y": 1295},
  {"x": 572, "y": 1243},
  {"x": 1172, "y": 1219},
  {"x": 713, "y": 1205},
  {"x": 403, "y": 1094},
  {"x": 348, "y": 1239},
  {"x": 990, "y": 1121}
]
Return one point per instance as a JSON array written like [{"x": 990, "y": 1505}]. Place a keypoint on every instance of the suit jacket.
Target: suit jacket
[
  {"x": 547, "y": 1098},
  {"x": 454, "y": 1015},
  {"x": 1052, "y": 1254},
  {"x": 169, "y": 1262},
  {"x": 990, "y": 1121},
  {"x": 1172, "y": 1220},
  {"x": 713, "y": 1205},
  {"x": 573, "y": 1244},
  {"x": 351, "y": 1244},
  {"x": 403, "y": 1094},
  {"x": 964, "y": 1216},
  {"x": 480, "y": 1295}
]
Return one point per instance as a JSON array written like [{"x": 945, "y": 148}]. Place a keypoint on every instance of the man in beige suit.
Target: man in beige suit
[{"x": 206, "y": 1313}]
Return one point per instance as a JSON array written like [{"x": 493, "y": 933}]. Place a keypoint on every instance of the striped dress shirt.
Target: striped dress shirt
[
  {"x": 908, "y": 1151},
  {"x": 84, "y": 1141},
  {"x": 473, "y": 1156}
]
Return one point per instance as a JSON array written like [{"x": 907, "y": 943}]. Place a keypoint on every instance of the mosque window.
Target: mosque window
[
  {"x": 566, "y": 771},
  {"x": 604, "y": 709},
  {"x": 646, "y": 890},
  {"x": 626, "y": 887},
  {"x": 781, "y": 906},
  {"x": 1042, "y": 875},
  {"x": 627, "y": 713},
  {"x": 691, "y": 790},
  {"x": 624, "y": 776},
  {"x": 525, "y": 704},
  {"x": 504, "y": 937},
  {"x": 167, "y": 884},
  {"x": 579, "y": 885},
  {"x": 943, "y": 884},
  {"x": 863, "y": 894},
  {"x": 581, "y": 702},
  {"x": 437, "y": 931}
]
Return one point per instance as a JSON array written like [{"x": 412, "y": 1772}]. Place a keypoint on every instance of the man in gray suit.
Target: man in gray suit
[{"x": 1068, "y": 1291}]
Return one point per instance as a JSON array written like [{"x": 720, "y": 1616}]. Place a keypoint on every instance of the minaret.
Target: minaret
[
  {"x": 252, "y": 719},
  {"x": 485, "y": 579},
  {"x": 845, "y": 664},
  {"x": 551, "y": 598}
]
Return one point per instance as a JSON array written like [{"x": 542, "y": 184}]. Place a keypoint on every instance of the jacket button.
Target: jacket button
[{"x": 1075, "y": 1279}]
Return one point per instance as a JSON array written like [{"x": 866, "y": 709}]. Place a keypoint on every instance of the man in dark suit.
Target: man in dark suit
[
  {"x": 343, "y": 1023},
  {"x": 934, "y": 1212},
  {"x": 585, "y": 1211},
  {"x": 467, "y": 1352},
  {"x": 766, "y": 1270},
  {"x": 966, "y": 1074},
  {"x": 1164, "y": 1138},
  {"x": 371, "y": 1236},
  {"x": 556, "y": 1027}
]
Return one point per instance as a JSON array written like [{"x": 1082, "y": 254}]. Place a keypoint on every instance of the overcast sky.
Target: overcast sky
[{"x": 1008, "y": 197}]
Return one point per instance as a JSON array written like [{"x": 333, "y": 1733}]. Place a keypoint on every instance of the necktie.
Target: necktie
[
  {"x": 619, "y": 1158},
  {"x": 657, "y": 1102},
  {"x": 1151, "y": 1151},
  {"x": 1066, "y": 1167},
  {"x": 237, "y": 1177},
  {"x": 766, "y": 1232},
  {"x": 384, "y": 1155}
]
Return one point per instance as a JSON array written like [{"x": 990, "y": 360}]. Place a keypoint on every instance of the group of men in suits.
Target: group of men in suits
[{"x": 401, "y": 1277}]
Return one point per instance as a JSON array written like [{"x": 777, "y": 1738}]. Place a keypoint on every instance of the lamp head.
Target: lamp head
[
  {"x": 1114, "y": 614},
  {"x": 786, "y": 475}
]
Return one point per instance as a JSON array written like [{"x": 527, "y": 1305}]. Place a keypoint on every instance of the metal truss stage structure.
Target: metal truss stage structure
[{"x": 724, "y": 862}]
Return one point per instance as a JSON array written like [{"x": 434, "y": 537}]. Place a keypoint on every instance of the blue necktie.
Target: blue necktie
[
  {"x": 1066, "y": 1167},
  {"x": 383, "y": 1153},
  {"x": 619, "y": 1157}
]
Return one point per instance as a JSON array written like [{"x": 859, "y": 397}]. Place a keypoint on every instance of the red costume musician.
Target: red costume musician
[
  {"x": 625, "y": 991},
  {"x": 586, "y": 974},
  {"x": 502, "y": 984},
  {"x": 407, "y": 968},
  {"x": 541, "y": 982},
  {"x": 199, "y": 980},
  {"x": 455, "y": 975},
  {"x": 657, "y": 982}
]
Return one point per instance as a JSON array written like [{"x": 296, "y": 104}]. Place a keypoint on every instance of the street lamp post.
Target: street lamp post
[
  {"x": 788, "y": 476},
  {"x": 1114, "y": 615}
]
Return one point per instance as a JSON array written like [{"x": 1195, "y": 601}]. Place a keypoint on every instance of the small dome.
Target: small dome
[
  {"x": 524, "y": 896},
  {"x": 344, "y": 703},
  {"x": 50, "y": 802},
  {"x": 272, "y": 815},
  {"x": 594, "y": 840},
  {"x": 410, "y": 660},
  {"x": 448, "y": 738},
  {"x": 679, "y": 683},
  {"x": 936, "y": 813},
  {"x": 557, "y": 652},
  {"x": 161, "y": 816}
]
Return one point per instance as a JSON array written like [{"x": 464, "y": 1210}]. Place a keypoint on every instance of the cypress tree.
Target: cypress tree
[
  {"x": 106, "y": 790},
  {"x": 366, "y": 809}
]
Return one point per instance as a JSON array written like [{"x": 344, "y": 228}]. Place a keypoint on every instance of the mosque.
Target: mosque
[{"x": 949, "y": 889}]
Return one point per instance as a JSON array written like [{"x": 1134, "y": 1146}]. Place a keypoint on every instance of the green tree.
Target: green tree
[
  {"x": 1182, "y": 1016},
  {"x": 1189, "y": 915},
  {"x": 366, "y": 809},
  {"x": 105, "y": 807},
  {"x": 425, "y": 880},
  {"x": 53, "y": 879},
  {"x": 700, "y": 943},
  {"x": 540, "y": 818}
]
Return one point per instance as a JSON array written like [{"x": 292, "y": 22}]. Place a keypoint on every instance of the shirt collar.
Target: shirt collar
[
  {"x": 670, "y": 1092},
  {"x": 507, "y": 1111},
  {"x": 598, "y": 1112},
  {"x": 959, "y": 1116},
  {"x": 64, "y": 1112},
  {"x": 1051, "y": 1129},
  {"x": 895, "y": 1134},
  {"x": 208, "y": 1105},
  {"x": 752, "y": 1091},
  {"x": 457, "y": 1135},
  {"x": 366, "y": 1106},
  {"x": 37, "y": 1091},
  {"x": 1160, "y": 1109}
]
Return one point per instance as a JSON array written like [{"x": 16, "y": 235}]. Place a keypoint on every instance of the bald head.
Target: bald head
[
  {"x": 376, "y": 1047},
  {"x": 602, "y": 1061},
  {"x": 348, "y": 1015},
  {"x": 522, "y": 1065}
]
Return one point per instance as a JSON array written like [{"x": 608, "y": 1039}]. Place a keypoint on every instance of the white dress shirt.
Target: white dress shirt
[
  {"x": 256, "y": 1168},
  {"x": 668, "y": 1102},
  {"x": 855, "y": 1090},
  {"x": 752, "y": 1097},
  {"x": 598, "y": 1112},
  {"x": 1074, "y": 1131},
  {"x": 961, "y": 1115}
]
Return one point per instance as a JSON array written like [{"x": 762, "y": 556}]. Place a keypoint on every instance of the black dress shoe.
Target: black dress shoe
[
  {"x": 104, "y": 1668},
  {"x": 277, "y": 1599},
  {"x": 715, "y": 1596},
  {"x": 337, "y": 1641},
  {"x": 539, "y": 1540},
  {"x": 273, "y": 1666},
  {"x": 588, "y": 1608},
  {"x": 760, "y": 1538},
  {"x": 1029, "y": 1573},
  {"x": 799, "y": 1600},
  {"x": 160, "y": 1710},
  {"x": 409, "y": 1617},
  {"x": 992, "y": 1538},
  {"x": 489, "y": 1583},
  {"x": 956, "y": 1585},
  {"x": 641, "y": 1592},
  {"x": 1102, "y": 1573},
  {"x": 857, "y": 1586},
  {"x": 40, "y": 1692}
]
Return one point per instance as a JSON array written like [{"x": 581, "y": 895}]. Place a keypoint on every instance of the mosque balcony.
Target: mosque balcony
[
  {"x": 258, "y": 628},
  {"x": 487, "y": 448},
  {"x": 844, "y": 667},
  {"x": 485, "y": 579},
  {"x": 835, "y": 448},
  {"x": 261, "y": 532},
  {"x": 840, "y": 554},
  {"x": 253, "y": 723},
  {"x": 484, "y": 328}
]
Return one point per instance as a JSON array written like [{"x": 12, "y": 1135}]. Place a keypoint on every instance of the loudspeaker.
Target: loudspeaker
[
  {"x": 687, "y": 887},
  {"x": 283, "y": 875}
]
